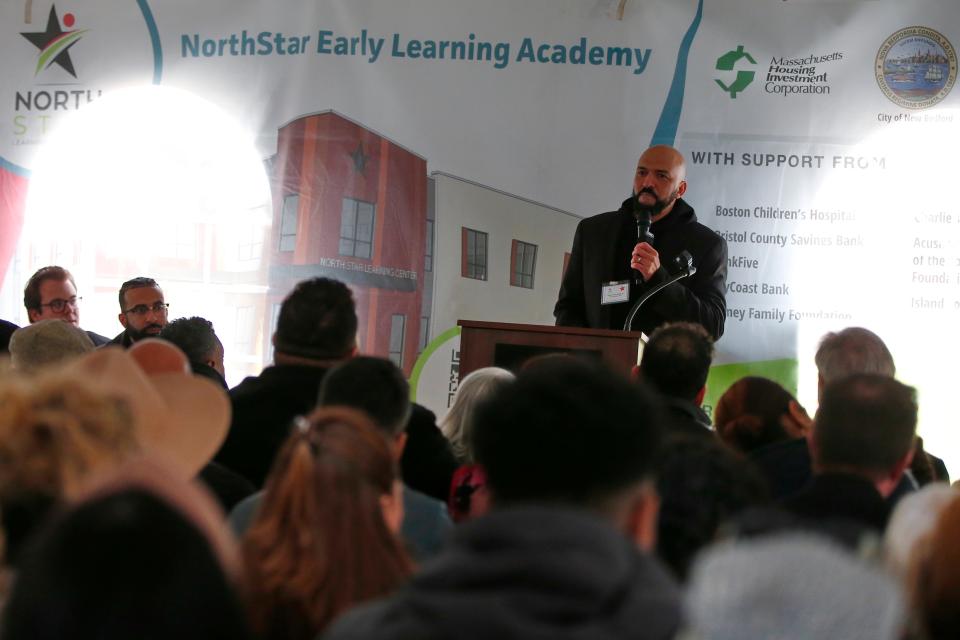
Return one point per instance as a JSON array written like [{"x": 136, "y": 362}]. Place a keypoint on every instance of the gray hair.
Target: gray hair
[
  {"x": 457, "y": 425},
  {"x": 914, "y": 518},
  {"x": 791, "y": 586},
  {"x": 47, "y": 343},
  {"x": 853, "y": 350}
]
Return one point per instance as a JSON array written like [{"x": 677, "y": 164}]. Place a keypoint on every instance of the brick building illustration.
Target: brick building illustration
[{"x": 351, "y": 204}]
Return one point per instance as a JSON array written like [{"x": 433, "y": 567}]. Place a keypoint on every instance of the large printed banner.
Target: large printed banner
[{"x": 437, "y": 156}]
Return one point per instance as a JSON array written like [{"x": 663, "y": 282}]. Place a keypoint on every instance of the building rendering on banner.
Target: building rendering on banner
[
  {"x": 419, "y": 253},
  {"x": 351, "y": 204},
  {"x": 500, "y": 256}
]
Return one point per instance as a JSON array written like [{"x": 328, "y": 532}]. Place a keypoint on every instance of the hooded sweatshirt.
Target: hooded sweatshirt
[{"x": 532, "y": 573}]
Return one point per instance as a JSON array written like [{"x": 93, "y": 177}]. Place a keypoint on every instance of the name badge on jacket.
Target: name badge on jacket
[{"x": 615, "y": 292}]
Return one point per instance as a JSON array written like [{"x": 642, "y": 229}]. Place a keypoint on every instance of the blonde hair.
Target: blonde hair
[
  {"x": 457, "y": 425},
  {"x": 54, "y": 429},
  {"x": 55, "y": 434}
]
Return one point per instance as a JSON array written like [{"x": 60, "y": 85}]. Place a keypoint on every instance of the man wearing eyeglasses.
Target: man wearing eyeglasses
[
  {"x": 143, "y": 313},
  {"x": 51, "y": 293}
]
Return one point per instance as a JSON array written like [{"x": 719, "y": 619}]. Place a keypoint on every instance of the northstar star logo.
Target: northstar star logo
[{"x": 54, "y": 43}]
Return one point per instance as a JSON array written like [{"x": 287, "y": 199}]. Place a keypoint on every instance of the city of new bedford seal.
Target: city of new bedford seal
[{"x": 916, "y": 67}]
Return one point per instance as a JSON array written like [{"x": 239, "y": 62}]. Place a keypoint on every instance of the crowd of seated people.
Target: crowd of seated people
[{"x": 141, "y": 497}]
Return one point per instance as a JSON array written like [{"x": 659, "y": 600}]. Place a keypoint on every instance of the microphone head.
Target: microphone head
[
  {"x": 641, "y": 214},
  {"x": 684, "y": 261}
]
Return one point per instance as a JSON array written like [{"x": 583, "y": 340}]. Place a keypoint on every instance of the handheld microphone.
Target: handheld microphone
[
  {"x": 685, "y": 263},
  {"x": 643, "y": 227},
  {"x": 642, "y": 216}
]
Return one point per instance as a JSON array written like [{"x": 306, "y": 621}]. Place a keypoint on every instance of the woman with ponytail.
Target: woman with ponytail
[
  {"x": 325, "y": 536},
  {"x": 755, "y": 412},
  {"x": 761, "y": 420}
]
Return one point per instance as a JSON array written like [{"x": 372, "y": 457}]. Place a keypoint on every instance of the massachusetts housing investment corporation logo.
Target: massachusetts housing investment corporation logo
[
  {"x": 54, "y": 42},
  {"x": 731, "y": 60},
  {"x": 786, "y": 76},
  {"x": 916, "y": 67}
]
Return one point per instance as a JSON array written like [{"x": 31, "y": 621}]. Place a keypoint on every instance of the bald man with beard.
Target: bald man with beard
[{"x": 610, "y": 268}]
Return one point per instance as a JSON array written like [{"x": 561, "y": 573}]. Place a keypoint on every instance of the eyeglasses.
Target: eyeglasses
[
  {"x": 59, "y": 304},
  {"x": 142, "y": 309}
]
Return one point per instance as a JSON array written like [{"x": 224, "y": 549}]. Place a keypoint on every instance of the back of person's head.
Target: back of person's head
[
  {"x": 124, "y": 565},
  {"x": 375, "y": 386},
  {"x": 47, "y": 343},
  {"x": 134, "y": 283},
  {"x": 911, "y": 522},
  {"x": 852, "y": 350},
  {"x": 865, "y": 422},
  {"x": 790, "y": 587},
  {"x": 318, "y": 321},
  {"x": 934, "y": 579},
  {"x": 457, "y": 425},
  {"x": 572, "y": 433},
  {"x": 755, "y": 412},
  {"x": 676, "y": 359},
  {"x": 55, "y": 433},
  {"x": 324, "y": 538},
  {"x": 701, "y": 486},
  {"x": 31, "y": 292},
  {"x": 195, "y": 337}
]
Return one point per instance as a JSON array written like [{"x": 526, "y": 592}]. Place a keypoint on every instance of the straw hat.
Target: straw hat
[{"x": 180, "y": 418}]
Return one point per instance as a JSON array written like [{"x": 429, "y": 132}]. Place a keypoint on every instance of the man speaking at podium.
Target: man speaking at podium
[{"x": 620, "y": 255}]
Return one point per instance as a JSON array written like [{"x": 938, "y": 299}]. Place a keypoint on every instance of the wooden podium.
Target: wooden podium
[{"x": 501, "y": 344}]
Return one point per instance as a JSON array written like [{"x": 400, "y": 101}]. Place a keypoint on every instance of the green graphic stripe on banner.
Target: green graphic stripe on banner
[
  {"x": 57, "y": 47},
  {"x": 666, "y": 131},
  {"x": 154, "y": 40},
  {"x": 722, "y": 376},
  {"x": 421, "y": 362}
]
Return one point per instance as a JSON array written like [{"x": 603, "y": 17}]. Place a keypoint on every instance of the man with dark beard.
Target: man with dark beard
[
  {"x": 611, "y": 266},
  {"x": 143, "y": 313}
]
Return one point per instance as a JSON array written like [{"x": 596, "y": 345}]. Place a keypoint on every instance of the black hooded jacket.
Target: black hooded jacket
[
  {"x": 537, "y": 574},
  {"x": 601, "y": 252}
]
